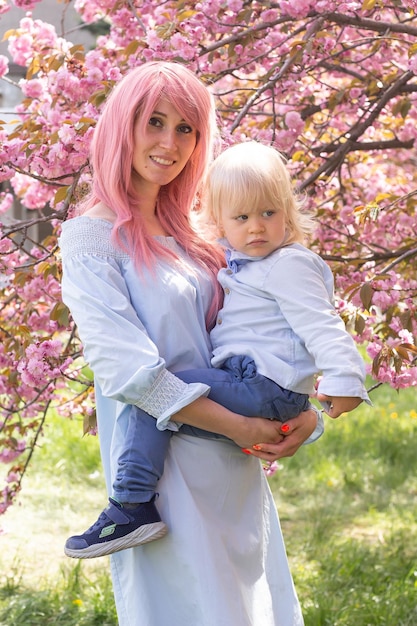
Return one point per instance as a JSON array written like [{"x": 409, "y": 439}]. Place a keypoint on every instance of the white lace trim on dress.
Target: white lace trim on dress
[
  {"x": 92, "y": 236},
  {"x": 92, "y": 239},
  {"x": 158, "y": 399}
]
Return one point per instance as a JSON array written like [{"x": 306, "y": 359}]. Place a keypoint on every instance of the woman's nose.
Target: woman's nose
[{"x": 168, "y": 139}]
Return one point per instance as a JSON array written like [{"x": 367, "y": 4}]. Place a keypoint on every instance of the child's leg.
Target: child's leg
[
  {"x": 239, "y": 387},
  {"x": 141, "y": 462},
  {"x": 131, "y": 517},
  {"x": 255, "y": 395}
]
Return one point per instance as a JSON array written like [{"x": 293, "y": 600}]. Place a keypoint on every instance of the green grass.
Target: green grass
[
  {"x": 75, "y": 601},
  {"x": 62, "y": 494},
  {"x": 347, "y": 506}
]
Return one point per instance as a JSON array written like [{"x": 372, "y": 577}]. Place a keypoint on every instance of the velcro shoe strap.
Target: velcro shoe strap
[{"x": 116, "y": 515}]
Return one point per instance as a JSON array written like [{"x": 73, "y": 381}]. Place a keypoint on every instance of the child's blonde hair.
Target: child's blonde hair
[{"x": 250, "y": 175}]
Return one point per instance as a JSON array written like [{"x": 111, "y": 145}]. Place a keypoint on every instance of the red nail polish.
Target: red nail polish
[
  {"x": 257, "y": 447},
  {"x": 246, "y": 451},
  {"x": 285, "y": 428}
]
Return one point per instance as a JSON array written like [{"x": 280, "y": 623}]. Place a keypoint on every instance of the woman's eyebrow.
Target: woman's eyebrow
[{"x": 165, "y": 115}]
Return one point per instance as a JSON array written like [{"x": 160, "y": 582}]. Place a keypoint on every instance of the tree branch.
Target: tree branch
[
  {"x": 367, "y": 24},
  {"x": 399, "y": 259},
  {"x": 342, "y": 149},
  {"x": 369, "y": 145},
  {"x": 277, "y": 76}
]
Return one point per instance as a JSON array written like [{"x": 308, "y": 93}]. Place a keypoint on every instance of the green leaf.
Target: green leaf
[
  {"x": 60, "y": 313},
  {"x": 89, "y": 423},
  {"x": 61, "y": 194},
  {"x": 368, "y": 5},
  {"x": 366, "y": 293}
]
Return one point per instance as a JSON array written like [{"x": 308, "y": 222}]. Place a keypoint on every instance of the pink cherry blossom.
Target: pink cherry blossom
[
  {"x": 26, "y": 4},
  {"x": 32, "y": 88},
  {"x": 4, "y": 7},
  {"x": 4, "y": 65},
  {"x": 294, "y": 122},
  {"x": 6, "y": 202}
]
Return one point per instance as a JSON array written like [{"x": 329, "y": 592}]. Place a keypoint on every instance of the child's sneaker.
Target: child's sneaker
[{"x": 116, "y": 529}]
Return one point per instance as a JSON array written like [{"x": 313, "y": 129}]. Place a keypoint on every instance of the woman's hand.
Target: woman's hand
[
  {"x": 246, "y": 432},
  {"x": 278, "y": 439},
  {"x": 293, "y": 434}
]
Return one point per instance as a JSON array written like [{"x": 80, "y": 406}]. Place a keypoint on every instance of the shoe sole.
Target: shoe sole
[{"x": 143, "y": 534}]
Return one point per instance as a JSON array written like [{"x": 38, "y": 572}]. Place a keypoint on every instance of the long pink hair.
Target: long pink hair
[{"x": 112, "y": 154}]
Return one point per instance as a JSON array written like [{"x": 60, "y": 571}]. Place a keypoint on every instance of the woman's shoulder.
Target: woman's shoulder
[
  {"x": 89, "y": 234},
  {"x": 100, "y": 211}
]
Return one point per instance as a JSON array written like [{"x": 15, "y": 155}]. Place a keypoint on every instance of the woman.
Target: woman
[{"x": 141, "y": 285}]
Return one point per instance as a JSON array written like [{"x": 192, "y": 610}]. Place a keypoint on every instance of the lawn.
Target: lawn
[
  {"x": 348, "y": 511},
  {"x": 347, "y": 506}
]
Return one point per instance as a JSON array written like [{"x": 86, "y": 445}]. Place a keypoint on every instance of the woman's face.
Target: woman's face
[{"x": 163, "y": 149}]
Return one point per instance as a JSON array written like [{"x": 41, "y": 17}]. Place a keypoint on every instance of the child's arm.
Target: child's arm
[
  {"x": 302, "y": 285},
  {"x": 336, "y": 405}
]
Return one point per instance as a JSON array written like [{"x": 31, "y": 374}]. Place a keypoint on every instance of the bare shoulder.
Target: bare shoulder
[{"x": 101, "y": 211}]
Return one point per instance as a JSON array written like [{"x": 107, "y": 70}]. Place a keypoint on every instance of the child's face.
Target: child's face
[{"x": 257, "y": 232}]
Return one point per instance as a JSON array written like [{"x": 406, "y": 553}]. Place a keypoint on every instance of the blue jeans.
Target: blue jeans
[{"x": 237, "y": 386}]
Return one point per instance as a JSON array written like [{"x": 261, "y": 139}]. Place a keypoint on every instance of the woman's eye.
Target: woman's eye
[
  {"x": 184, "y": 128},
  {"x": 154, "y": 121}
]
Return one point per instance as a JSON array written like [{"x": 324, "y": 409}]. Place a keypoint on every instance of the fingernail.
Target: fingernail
[
  {"x": 246, "y": 451},
  {"x": 285, "y": 428},
  {"x": 257, "y": 447}
]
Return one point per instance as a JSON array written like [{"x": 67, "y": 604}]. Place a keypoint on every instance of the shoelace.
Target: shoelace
[{"x": 98, "y": 523}]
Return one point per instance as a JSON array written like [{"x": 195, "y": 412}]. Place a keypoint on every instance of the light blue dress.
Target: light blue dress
[{"x": 223, "y": 562}]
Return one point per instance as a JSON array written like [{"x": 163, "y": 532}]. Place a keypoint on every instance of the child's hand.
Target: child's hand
[{"x": 336, "y": 405}]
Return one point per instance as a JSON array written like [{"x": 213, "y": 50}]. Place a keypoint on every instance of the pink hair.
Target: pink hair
[{"x": 112, "y": 153}]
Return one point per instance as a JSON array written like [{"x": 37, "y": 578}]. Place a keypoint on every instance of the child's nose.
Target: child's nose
[{"x": 256, "y": 226}]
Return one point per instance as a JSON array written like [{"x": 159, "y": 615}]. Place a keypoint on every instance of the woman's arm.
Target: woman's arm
[
  {"x": 118, "y": 314},
  {"x": 249, "y": 431}
]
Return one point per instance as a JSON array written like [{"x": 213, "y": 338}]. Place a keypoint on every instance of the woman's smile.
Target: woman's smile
[{"x": 162, "y": 161}]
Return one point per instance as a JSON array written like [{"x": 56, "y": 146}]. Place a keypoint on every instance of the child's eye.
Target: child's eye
[
  {"x": 241, "y": 218},
  {"x": 268, "y": 213}
]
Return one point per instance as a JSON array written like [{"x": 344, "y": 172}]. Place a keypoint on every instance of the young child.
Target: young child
[{"x": 278, "y": 329}]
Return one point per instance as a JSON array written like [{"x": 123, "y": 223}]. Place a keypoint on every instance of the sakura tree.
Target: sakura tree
[{"x": 330, "y": 83}]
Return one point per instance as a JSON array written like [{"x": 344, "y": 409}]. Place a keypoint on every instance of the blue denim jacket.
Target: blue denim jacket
[{"x": 279, "y": 310}]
